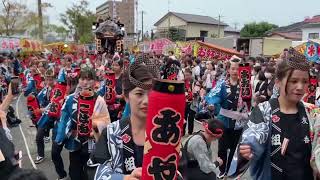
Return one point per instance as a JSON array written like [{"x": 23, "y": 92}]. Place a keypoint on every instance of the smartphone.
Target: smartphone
[{"x": 15, "y": 85}]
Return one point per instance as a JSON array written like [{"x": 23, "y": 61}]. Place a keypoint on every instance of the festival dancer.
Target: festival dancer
[
  {"x": 136, "y": 85},
  {"x": 65, "y": 85},
  {"x": 77, "y": 123},
  {"x": 31, "y": 92},
  {"x": 115, "y": 109},
  {"x": 229, "y": 108},
  {"x": 191, "y": 105},
  {"x": 44, "y": 98},
  {"x": 281, "y": 138}
]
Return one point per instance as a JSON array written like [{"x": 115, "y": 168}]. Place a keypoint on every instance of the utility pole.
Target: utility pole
[
  {"x": 219, "y": 22},
  {"x": 40, "y": 19},
  {"x": 169, "y": 20},
  {"x": 236, "y": 25},
  {"x": 142, "y": 32}
]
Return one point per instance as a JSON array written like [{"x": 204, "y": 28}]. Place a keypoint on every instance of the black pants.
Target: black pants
[
  {"x": 39, "y": 140},
  {"x": 189, "y": 116},
  {"x": 229, "y": 140},
  {"x": 78, "y": 164},
  {"x": 41, "y": 133},
  {"x": 57, "y": 159}
]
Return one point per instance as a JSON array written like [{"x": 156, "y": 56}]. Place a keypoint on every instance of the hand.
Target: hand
[
  {"x": 220, "y": 161},
  {"x": 3, "y": 118},
  {"x": 245, "y": 152},
  {"x": 135, "y": 175},
  {"x": 10, "y": 90}
]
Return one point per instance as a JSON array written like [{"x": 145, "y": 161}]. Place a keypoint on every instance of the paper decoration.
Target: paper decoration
[{"x": 311, "y": 51}]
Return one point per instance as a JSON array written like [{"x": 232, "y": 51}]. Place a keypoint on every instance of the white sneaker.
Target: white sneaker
[
  {"x": 221, "y": 175},
  {"x": 38, "y": 160},
  {"x": 46, "y": 139}
]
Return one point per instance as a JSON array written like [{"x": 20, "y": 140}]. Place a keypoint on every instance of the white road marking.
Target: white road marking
[{"x": 23, "y": 136}]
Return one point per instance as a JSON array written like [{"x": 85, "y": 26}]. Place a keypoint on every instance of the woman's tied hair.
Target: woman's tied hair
[
  {"x": 152, "y": 68},
  {"x": 297, "y": 61}
]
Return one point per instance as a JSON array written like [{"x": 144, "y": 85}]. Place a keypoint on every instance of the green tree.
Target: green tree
[
  {"x": 10, "y": 16},
  {"x": 176, "y": 34},
  {"x": 256, "y": 29},
  {"x": 79, "y": 20}
]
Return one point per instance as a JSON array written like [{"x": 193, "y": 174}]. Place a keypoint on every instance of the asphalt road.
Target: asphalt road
[{"x": 24, "y": 140}]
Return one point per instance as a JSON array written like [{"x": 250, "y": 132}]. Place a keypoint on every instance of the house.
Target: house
[
  {"x": 229, "y": 31},
  {"x": 189, "y": 26},
  {"x": 310, "y": 31},
  {"x": 294, "y": 31},
  {"x": 295, "y": 36}
]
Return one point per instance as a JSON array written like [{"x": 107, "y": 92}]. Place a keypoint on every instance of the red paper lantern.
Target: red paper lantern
[
  {"x": 86, "y": 102},
  {"x": 55, "y": 105},
  {"x": 110, "y": 95},
  {"x": 245, "y": 78},
  {"x": 164, "y": 130},
  {"x": 34, "y": 108}
]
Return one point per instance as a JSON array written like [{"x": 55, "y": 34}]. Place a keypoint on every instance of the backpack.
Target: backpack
[{"x": 185, "y": 163}]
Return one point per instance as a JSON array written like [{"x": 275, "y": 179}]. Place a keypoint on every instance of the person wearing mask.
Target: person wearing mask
[
  {"x": 102, "y": 164},
  {"x": 269, "y": 74},
  {"x": 229, "y": 107},
  {"x": 281, "y": 139},
  {"x": 199, "y": 154}
]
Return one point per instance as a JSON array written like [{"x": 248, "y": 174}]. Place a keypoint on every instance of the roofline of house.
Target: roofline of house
[
  {"x": 102, "y": 5},
  {"x": 173, "y": 13}
]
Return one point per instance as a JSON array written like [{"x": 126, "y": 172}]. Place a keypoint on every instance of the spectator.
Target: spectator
[
  {"x": 196, "y": 70},
  {"x": 199, "y": 154}
]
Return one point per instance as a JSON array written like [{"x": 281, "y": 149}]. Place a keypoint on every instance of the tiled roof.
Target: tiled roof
[{"x": 192, "y": 18}]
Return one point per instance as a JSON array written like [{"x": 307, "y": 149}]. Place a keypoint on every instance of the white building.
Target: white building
[{"x": 311, "y": 31}]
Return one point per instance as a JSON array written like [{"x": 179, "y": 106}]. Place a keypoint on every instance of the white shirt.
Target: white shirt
[
  {"x": 195, "y": 71},
  {"x": 209, "y": 79}
]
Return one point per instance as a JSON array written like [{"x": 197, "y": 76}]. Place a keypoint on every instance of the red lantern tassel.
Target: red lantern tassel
[{"x": 164, "y": 130}]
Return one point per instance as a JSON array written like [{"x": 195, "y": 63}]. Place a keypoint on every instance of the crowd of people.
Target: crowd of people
[{"x": 267, "y": 122}]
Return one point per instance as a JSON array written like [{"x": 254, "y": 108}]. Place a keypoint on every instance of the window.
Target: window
[
  {"x": 203, "y": 33},
  {"x": 313, "y": 35}
]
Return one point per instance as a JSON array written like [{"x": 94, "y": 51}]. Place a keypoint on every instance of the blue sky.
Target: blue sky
[{"x": 280, "y": 12}]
